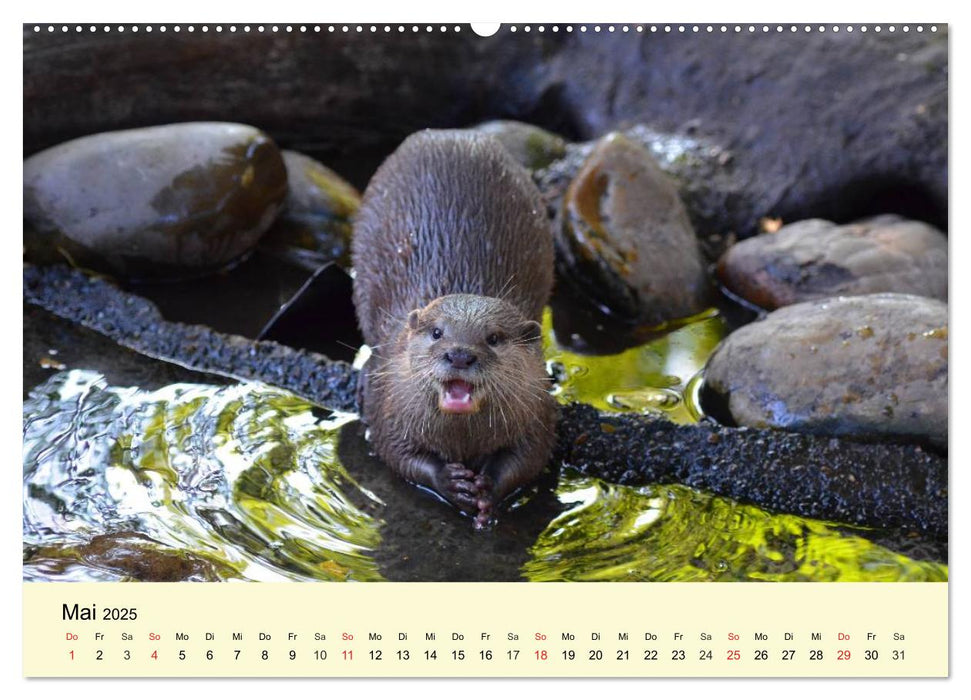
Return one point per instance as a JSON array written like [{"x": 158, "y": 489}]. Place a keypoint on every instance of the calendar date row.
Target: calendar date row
[{"x": 431, "y": 655}]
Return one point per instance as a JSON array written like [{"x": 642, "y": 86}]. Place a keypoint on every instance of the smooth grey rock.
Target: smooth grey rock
[
  {"x": 167, "y": 201},
  {"x": 624, "y": 238},
  {"x": 873, "y": 365},
  {"x": 530, "y": 145},
  {"x": 815, "y": 258}
]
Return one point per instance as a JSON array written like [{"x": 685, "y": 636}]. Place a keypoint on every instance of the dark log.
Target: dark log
[
  {"x": 134, "y": 322},
  {"x": 880, "y": 485}
]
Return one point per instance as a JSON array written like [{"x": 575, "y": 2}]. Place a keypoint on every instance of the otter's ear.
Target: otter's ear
[
  {"x": 531, "y": 332},
  {"x": 413, "y": 319}
]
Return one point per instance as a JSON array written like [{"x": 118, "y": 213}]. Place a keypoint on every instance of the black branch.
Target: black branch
[{"x": 880, "y": 485}]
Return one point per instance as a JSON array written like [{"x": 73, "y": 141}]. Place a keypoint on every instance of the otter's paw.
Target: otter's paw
[
  {"x": 486, "y": 502},
  {"x": 457, "y": 484}
]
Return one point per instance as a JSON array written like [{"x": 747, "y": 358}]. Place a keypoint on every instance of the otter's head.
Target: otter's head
[{"x": 473, "y": 351}]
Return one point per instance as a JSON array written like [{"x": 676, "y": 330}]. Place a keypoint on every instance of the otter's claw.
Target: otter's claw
[
  {"x": 457, "y": 485},
  {"x": 485, "y": 502}
]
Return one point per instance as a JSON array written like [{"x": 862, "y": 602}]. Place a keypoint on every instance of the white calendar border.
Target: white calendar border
[{"x": 493, "y": 10}]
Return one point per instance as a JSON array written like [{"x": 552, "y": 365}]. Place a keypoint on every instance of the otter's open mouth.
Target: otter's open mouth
[{"x": 456, "y": 397}]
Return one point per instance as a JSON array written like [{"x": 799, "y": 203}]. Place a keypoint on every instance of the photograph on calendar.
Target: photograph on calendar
[{"x": 562, "y": 303}]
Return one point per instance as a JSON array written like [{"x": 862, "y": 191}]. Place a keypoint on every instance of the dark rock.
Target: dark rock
[
  {"x": 831, "y": 124},
  {"x": 624, "y": 237},
  {"x": 126, "y": 556},
  {"x": 313, "y": 188},
  {"x": 708, "y": 187},
  {"x": 872, "y": 365},
  {"x": 814, "y": 259},
  {"x": 531, "y": 146},
  {"x": 315, "y": 225},
  {"x": 708, "y": 184},
  {"x": 161, "y": 202},
  {"x": 837, "y": 125}
]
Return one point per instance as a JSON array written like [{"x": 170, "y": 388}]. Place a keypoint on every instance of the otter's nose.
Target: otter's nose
[{"x": 460, "y": 358}]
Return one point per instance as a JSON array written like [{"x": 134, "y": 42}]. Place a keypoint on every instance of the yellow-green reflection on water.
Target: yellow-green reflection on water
[
  {"x": 243, "y": 478},
  {"x": 673, "y": 533},
  {"x": 656, "y": 378}
]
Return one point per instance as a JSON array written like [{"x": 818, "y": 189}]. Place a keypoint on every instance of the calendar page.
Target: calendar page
[{"x": 612, "y": 350}]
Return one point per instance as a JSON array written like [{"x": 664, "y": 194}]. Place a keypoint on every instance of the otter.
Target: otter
[{"x": 453, "y": 260}]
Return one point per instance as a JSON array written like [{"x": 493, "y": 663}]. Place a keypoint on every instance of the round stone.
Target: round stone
[
  {"x": 873, "y": 365},
  {"x": 531, "y": 146},
  {"x": 314, "y": 227},
  {"x": 814, "y": 259},
  {"x": 625, "y": 239},
  {"x": 168, "y": 201}
]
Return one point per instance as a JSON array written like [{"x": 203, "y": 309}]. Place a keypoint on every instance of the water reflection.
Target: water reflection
[
  {"x": 242, "y": 478},
  {"x": 673, "y": 533},
  {"x": 652, "y": 379}
]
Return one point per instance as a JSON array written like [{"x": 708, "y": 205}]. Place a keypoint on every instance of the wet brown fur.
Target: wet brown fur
[{"x": 452, "y": 234}]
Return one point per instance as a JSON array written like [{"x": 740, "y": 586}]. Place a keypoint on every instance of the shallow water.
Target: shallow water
[
  {"x": 673, "y": 533},
  {"x": 243, "y": 478},
  {"x": 658, "y": 378},
  {"x": 244, "y": 482}
]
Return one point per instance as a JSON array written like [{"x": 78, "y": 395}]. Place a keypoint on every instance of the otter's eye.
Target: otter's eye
[
  {"x": 493, "y": 339},
  {"x": 436, "y": 333}
]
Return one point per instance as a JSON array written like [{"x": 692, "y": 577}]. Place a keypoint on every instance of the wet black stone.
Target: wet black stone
[
  {"x": 856, "y": 366},
  {"x": 169, "y": 202},
  {"x": 815, "y": 259},
  {"x": 624, "y": 238}
]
